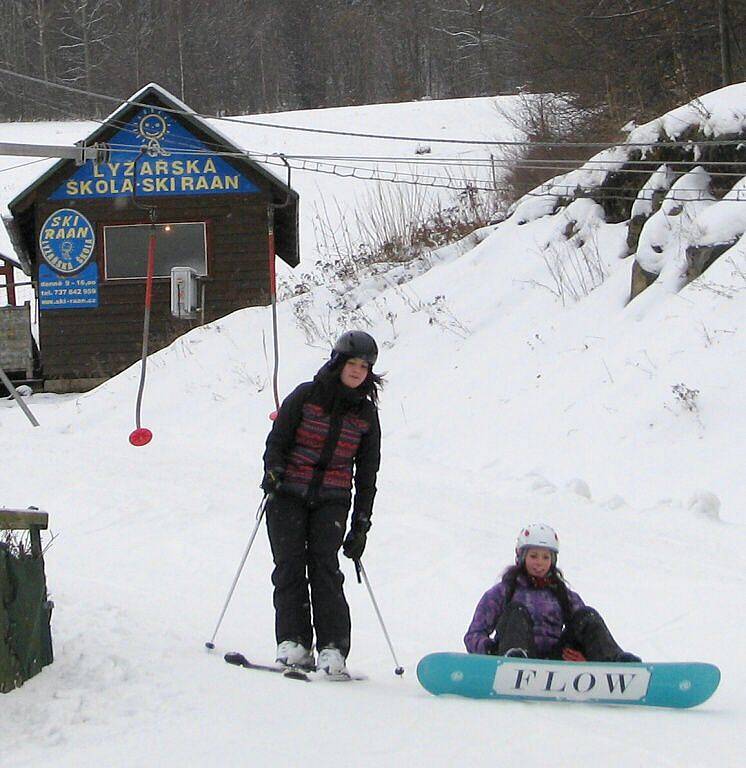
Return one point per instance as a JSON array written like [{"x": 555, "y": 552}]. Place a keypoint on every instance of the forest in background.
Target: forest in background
[{"x": 619, "y": 59}]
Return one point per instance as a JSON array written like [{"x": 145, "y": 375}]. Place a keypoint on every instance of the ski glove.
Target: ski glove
[
  {"x": 572, "y": 654},
  {"x": 272, "y": 479},
  {"x": 354, "y": 543}
]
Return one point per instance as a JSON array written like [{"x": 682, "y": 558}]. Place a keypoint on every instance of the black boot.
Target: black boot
[
  {"x": 593, "y": 637},
  {"x": 628, "y": 657},
  {"x": 515, "y": 632}
]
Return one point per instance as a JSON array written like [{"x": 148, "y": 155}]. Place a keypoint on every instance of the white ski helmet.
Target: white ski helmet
[{"x": 536, "y": 535}]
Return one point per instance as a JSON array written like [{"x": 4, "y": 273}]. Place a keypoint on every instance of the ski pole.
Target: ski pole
[
  {"x": 210, "y": 644},
  {"x": 361, "y": 571}
]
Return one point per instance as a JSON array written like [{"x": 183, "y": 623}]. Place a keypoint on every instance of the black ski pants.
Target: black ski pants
[
  {"x": 586, "y": 632},
  {"x": 305, "y": 541}
]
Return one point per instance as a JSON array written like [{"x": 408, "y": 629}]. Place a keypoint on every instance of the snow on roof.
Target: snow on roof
[
  {"x": 209, "y": 123},
  {"x": 161, "y": 91},
  {"x": 6, "y": 247},
  {"x": 178, "y": 105}
]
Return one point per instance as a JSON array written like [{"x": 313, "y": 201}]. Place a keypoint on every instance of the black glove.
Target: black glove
[
  {"x": 354, "y": 543},
  {"x": 272, "y": 479}
]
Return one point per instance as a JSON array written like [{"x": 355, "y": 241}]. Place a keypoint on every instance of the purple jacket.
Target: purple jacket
[{"x": 541, "y": 603}]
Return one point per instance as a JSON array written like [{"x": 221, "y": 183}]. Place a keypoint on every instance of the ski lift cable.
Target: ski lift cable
[
  {"x": 457, "y": 184},
  {"x": 650, "y": 168},
  {"x": 354, "y": 134},
  {"x": 579, "y": 163}
]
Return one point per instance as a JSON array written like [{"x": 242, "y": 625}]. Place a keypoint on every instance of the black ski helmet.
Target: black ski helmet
[{"x": 357, "y": 344}]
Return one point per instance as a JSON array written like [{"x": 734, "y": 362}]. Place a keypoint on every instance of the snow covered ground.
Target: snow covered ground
[{"x": 619, "y": 424}]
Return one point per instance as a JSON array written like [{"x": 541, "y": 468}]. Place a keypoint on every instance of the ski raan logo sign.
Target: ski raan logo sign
[
  {"x": 154, "y": 154},
  {"x": 66, "y": 241},
  {"x": 565, "y": 681}
]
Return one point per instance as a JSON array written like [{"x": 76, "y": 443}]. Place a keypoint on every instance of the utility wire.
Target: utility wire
[
  {"x": 23, "y": 165},
  {"x": 387, "y": 137},
  {"x": 398, "y": 176},
  {"x": 564, "y": 166}
]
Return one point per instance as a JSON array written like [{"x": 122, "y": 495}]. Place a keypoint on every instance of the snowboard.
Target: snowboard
[{"x": 659, "y": 684}]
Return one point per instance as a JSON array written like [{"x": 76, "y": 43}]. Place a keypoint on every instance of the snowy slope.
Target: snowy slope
[{"x": 503, "y": 406}]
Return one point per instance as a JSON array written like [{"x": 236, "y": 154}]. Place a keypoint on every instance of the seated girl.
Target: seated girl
[{"x": 532, "y": 613}]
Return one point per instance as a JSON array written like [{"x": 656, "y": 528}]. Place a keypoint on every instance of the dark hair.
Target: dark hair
[
  {"x": 328, "y": 376},
  {"x": 559, "y": 585}
]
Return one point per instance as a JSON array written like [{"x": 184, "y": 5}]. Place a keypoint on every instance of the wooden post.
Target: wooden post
[
  {"x": 6, "y": 271},
  {"x": 30, "y": 520}
]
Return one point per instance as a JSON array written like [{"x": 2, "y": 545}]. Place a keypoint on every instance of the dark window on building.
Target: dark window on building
[{"x": 176, "y": 245}]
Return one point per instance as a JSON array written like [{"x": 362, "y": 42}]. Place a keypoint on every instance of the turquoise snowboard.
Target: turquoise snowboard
[{"x": 496, "y": 677}]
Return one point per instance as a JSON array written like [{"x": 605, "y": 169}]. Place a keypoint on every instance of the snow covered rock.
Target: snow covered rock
[{"x": 705, "y": 503}]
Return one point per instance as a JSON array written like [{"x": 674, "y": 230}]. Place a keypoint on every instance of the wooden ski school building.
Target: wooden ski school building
[{"x": 80, "y": 232}]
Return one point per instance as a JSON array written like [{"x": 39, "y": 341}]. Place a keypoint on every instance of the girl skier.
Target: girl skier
[
  {"x": 533, "y": 614},
  {"x": 324, "y": 429}
]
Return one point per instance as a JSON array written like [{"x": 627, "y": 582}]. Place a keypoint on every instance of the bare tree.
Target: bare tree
[
  {"x": 622, "y": 59},
  {"x": 87, "y": 30}
]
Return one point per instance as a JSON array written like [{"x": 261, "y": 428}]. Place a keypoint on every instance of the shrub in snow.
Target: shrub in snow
[{"x": 686, "y": 396}]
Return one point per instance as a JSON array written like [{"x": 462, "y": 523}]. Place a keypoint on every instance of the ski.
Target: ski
[
  {"x": 345, "y": 677},
  {"x": 293, "y": 673}
]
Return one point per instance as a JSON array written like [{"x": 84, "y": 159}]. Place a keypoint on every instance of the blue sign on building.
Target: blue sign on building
[
  {"x": 66, "y": 241},
  {"x": 68, "y": 276},
  {"x": 78, "y": 291},
  {"x": 155, "y": 155}
]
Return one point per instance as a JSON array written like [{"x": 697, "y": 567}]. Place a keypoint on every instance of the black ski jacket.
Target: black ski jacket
[{"x": 327, "y": 436}]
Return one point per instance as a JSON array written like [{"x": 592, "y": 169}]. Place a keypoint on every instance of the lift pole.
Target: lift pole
[{"x": 99, "y": 153}]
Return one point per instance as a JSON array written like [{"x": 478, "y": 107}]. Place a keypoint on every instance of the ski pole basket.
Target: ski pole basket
[{"x": 25, "y": 611}]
